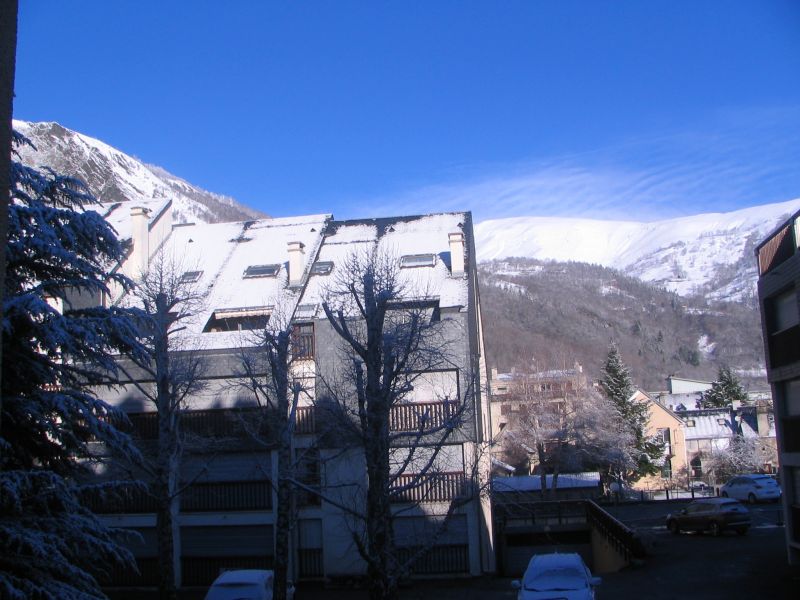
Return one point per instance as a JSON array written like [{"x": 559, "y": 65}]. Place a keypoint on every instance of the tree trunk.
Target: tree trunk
[
  {"x": 283, "y": 517},
  {"x": 542, "y": 470},
  {"x": 167, "y": 464},
  {"x": 380, "y": 539}
]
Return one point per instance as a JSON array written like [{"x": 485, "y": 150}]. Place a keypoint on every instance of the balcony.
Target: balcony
[
  {"x": 416, "y": 416},
  {"x": 777, "y": 249},
  {"x": 200, "y": 497},
  {"x": 437, "y": 487}
]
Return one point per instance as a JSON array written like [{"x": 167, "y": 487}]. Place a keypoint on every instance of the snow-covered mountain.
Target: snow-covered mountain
[
  {"x": 113, "y": 176},
  {"x": 709, "y": 254}
]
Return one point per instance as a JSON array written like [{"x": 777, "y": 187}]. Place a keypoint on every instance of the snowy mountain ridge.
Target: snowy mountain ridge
[
  {"x": 113, "y": 176},
  {"x": 710, "y": 254}
]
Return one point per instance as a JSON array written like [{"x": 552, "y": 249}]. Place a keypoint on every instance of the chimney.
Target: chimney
[
  {"x": 296, "y": 256},
  {"x": 140, "y": 235},
  {"x": 456, "y": 253}
]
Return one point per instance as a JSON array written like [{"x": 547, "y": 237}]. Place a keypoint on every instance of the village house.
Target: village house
[
  {"x": 250, "y": 272},
  {"x": 707, "y": 431}
]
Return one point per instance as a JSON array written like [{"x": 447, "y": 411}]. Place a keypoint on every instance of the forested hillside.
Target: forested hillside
[{"x": 555, "y": 313}]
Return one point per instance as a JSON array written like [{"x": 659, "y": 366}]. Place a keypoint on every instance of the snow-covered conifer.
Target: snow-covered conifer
[{"x": 58, "y": 342}]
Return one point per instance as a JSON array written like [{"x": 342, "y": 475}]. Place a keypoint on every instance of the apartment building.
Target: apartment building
[
  {"x": 250, "y": 272},
  {"x": 778, "y": 288}
]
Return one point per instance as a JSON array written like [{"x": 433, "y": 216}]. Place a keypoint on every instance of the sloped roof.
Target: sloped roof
[
  {"x": 222, "y": 253},
  {"x": 397, "y": 237}
]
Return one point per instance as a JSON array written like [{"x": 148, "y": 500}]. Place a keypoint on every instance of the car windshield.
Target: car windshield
[{"x": 555, "y": 579}]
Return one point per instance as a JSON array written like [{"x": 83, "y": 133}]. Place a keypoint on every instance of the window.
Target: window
[
  {"x": 321, "y": 268},
  {"x": 664, "y": 435},
  {"x": 697, "y": 467},
  {"x": 690, "y": 422},
  {"x": 191, "y": 276},
  {"x": 303, "y": 340},
  {"x": 722, "y": 421},
  {"x": 782, "y": 311},
  {"x": 237, "y": 319},
  {"x": 666, "y": 468},
  {"x": 261, "y": 271},
  {"x": 307, "y": 471},
  {"x": 417, "y": 260}
]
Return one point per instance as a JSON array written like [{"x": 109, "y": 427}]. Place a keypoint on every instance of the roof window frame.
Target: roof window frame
[{"x": 259, "y": 271}]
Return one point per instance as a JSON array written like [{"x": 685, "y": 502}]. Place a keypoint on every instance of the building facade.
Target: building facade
[
  {"x": 779, "y": 301},
  {"x": 251, "y": 272}
]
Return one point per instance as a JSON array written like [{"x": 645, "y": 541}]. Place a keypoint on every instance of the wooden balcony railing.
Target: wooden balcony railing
[
  {"x": 216, "y": 423},
  {"x": 413, "y": 416},
  {"x": 226, "y": 496},
  {"x": 310, "y": 563},
  {"x": 304, "y": 420},
  {"x": 200, "y": 497},
  {"x": 437, "y": 487},
  {"x": 451, "y": 558}
]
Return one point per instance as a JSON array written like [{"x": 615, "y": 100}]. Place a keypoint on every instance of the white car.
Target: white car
[
  {"x": 245, "y": 584},
  {"x": 563, "y": 576},
  {"x": 751, "y": 488}
]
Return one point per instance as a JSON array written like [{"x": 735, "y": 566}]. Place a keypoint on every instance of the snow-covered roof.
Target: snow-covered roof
[
  {"x": 710, "y": 423},
  {"x": 397, "y": 237},
  {"x": 532, "y": 483},
  {"x": 118, "y": 214},
  {"x": 221, "y": 259}
]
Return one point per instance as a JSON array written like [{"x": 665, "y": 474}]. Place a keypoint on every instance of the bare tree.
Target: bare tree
[
  {"x": 741, "y": 455},
  {"x": 267, "y": 373},
  {"x": 169, "y": 375},
  {"x": 392, "y": 338},
  {"x": 564, "y": 431}
]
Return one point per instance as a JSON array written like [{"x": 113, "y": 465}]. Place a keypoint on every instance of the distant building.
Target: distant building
[
  {"x": 508, "y": 390},
  {"x": 778, "y": 295},
  {"x": 669, "y": 427}
]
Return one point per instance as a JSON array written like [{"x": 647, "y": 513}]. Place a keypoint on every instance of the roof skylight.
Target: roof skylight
[
  {"x": 417, "y": 260},
  {"x": 261, "y": 271},
  {"x": 191, "y": 276},
  {"x": 322, "y": 268}
]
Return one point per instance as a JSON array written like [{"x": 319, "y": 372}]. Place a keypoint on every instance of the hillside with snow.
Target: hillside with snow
[
  {"x": 706, "y": 254},
  {"x": 113, "y": 176}
]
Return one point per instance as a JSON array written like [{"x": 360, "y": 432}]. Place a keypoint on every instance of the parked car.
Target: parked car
[
  {"x": 714, "y": 515},
  {"x": 556, "y": 575},
  {"x": 752, "y": 488},
  {"x": 246, "y": 584}
]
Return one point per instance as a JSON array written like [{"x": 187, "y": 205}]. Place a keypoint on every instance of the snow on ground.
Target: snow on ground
[
  {"x": 705, "y": 345},
  {"x": 681, "y": 254}
]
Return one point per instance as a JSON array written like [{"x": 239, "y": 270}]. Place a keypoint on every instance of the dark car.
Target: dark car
[{"x": 714, "y": 515}]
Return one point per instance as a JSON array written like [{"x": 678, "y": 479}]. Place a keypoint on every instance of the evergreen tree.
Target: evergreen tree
[
  {"x": 726, "y": 390},
  {"x": 56, "y": 351},
  {"x": 632, "y": 418}
]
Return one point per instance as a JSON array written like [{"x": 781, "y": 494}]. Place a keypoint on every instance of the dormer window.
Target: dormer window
[
  {"x": 721, "y": 421},
  {"x": 322, "y": 267},
  {"x": 417, "y": 260},
  {"x": 261, "y": 271},
  {"x": 191, "y": 276},
  {"x": 690, "y": 422},
  {"x": 237, "y": 319}
]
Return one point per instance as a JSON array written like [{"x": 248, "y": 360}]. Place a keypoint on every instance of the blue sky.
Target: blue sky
[{"x": 640, "y": 110}]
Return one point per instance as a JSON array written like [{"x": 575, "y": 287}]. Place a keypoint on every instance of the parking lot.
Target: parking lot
[{"x": 677, "y": 567}]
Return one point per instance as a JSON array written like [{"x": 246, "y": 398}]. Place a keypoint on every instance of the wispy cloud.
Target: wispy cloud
[{"x": 742, "y": 158}]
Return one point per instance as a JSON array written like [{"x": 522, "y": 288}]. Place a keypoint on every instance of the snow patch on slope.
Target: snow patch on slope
[{"x": 684, "y": 255}]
